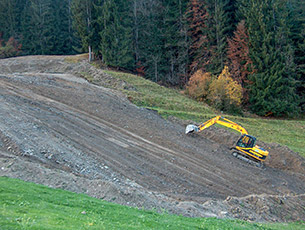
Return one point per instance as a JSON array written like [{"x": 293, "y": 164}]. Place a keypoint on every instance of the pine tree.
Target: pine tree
[
  {"x": 151, "y": 39},
  {"x": 238, "y": 54},
  {"x": 97, "y": 26},
  {"x": 63, "y": 37},
  {"x": 297, "y": 26},
  {"x": 116, "y": 36},
  {"x": 176, "y": 42},
  {"x": 82, "y": 23},
  {"x": 41, "y": 26},
  {"x": 10, "y": 18},
  {"x": 217, "y": 31},
  {"x": 273, "y": 88},
  {"x": 197, "y": 17},
  {"x": 37, "y": 27},
  {"x": 210, "y": 25},
  {"x": 136, "y": 18}
]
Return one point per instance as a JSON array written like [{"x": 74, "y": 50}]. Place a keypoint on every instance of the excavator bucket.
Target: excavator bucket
[{"x": 191, "y": 128}]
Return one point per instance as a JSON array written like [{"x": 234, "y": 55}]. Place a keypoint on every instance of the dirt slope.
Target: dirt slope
[{"x": 59, "y": 130}]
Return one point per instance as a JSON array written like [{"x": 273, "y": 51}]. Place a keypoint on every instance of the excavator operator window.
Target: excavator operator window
[
  {"x": 241, "y": 142},
  {"x": 251, "y": 142},
  {"x": 246, "y": 141}
]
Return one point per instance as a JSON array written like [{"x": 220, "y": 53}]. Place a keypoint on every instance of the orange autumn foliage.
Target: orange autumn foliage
[
  {"x": 240, "y": 62},
  {"x": 198, "y": 85},
  {"x": 221, "y": 92}
]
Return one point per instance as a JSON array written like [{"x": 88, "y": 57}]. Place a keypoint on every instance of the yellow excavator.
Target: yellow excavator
[{"x": 245, "y": 147}]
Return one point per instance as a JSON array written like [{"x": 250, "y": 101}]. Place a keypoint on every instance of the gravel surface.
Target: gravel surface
[{"x": 57, "y": 129}]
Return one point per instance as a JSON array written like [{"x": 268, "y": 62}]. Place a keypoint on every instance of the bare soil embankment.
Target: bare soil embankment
[{"x": 57, "y": 129}]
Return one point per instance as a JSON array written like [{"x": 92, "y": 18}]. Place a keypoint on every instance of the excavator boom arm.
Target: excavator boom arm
[
  {"x": 225, "y": 122},
  {"x": 208, "y": 123},
  {"x": 232, "y": 125}
]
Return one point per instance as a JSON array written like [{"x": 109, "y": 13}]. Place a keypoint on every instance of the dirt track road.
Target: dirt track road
[{"x": 55, "y": 119}]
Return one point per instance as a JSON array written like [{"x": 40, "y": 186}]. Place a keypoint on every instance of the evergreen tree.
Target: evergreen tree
[
  {"x": 197, "y": 18},
  {"x": 297, "y": 26},
  {"x": 10, "y": 18},
  {"x": 136, "y": 19},
  {"x": 43, "y": 27},
  {"x": 83, "y": 18},
  {"x": 273, "y": 88},
  {"x": 151, "y": 39},
  {"x": 176, "y": 42},
  {"x": 210, "y": 26},
  {"x": 217, "y": 31},
  {"x": 97, "y": 26},
  {"x": 63, "y": 37},
  {"x": 116, "y": 36},
  {"x": 37, "y": 27}
]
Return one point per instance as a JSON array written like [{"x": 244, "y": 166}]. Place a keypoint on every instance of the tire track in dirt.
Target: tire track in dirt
[
  {"x": 148, "y": 148},
  {"x": 59, "y": 124},
  {"x": 218, "y": 181}
]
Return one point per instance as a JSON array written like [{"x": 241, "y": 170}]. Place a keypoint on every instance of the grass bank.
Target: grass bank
[
  {"x": 26, "y": 205},
  {"x": 170, "y": 102}
]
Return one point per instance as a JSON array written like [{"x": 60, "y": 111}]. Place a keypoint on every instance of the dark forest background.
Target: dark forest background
[{"x": 168, "y": 41}]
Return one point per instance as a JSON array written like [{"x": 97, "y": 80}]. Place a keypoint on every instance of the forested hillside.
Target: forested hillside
[{"x": 169, "y": 41}]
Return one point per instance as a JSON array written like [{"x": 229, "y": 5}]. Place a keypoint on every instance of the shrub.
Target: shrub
[
  {"x": 198, "y": 85},
  {"x": 225, "y": 93},
  {"x": 221, "y": 92},
  {"x": 10, "y": 49}
]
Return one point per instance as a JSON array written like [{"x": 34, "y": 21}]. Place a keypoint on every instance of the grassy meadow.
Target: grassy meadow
[{"x": 25, "y": 205}]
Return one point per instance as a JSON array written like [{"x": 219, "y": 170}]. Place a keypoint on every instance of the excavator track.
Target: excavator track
[{"x": 242, "y": 157}]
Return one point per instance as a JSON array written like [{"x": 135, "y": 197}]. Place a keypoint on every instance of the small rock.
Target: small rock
[
  {"x": 83, "y": 212},
  {"x": 223, "y": 213}
]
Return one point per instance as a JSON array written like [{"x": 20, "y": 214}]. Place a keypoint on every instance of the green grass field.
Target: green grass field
[
  {"x": 26, "y": 205},
  {"x": 170, "y": 102}
]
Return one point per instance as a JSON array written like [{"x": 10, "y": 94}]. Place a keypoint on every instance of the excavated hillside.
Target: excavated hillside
[{"x": 59, "y": 130}]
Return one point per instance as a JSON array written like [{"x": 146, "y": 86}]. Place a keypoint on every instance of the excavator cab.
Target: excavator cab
[{"x": 246, "y": 141}]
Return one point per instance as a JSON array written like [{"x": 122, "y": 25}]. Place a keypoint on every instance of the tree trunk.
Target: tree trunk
[{"x": 90, "y": 54}]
